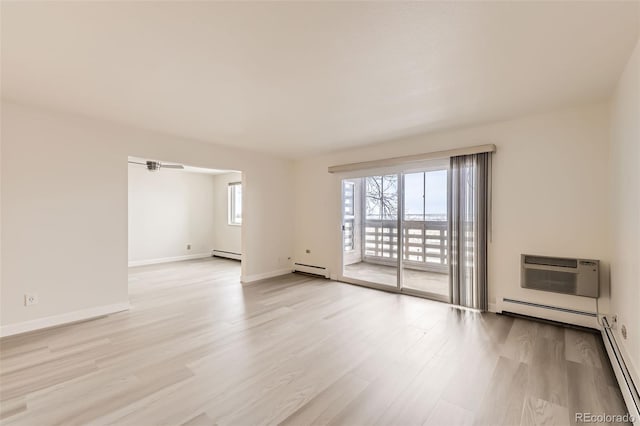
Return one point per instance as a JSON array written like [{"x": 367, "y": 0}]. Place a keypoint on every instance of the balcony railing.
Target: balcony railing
[{"x": 424, "y": 243}]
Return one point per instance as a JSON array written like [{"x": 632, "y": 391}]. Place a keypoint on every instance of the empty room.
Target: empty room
[{"x": 346, "y": 213}]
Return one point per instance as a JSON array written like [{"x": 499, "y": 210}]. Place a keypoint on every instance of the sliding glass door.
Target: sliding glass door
[
  {"x": 425, "y": 259},
  {"x": 370, "y": 229},
  {"x": 395, "y": 231}
]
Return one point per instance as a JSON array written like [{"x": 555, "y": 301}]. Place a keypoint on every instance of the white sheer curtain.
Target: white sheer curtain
[{"x": 468, "y": 219}]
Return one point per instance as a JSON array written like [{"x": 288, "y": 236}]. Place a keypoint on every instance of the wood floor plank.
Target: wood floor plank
[
  {"x": 547, "y": 375},
  {"x": 520, "y": 341},
  {"x": 582, "y": 347},
  {"x": 12, "y": 407},
  {"x": 446, "y": 413},
  {"x": 321, "y": 409},
  {"x": 475, "y": 370},
  {"x": 504, "y": 398},
  {"x": 590, "y": 392},
  {"x": 199, "y": 420},
  {"x": 198, "y": 347},
  {"x": 538, "y": 412},
  {"x": 422, "y": 395}
]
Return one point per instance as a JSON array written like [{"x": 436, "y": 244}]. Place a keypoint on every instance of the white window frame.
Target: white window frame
[{"x": 231, "y": 202}]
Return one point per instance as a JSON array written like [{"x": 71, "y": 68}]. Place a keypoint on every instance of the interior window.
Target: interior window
[{"x": 235, "y": 203}]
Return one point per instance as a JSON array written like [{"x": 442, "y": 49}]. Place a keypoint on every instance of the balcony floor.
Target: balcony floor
[{"x": 430, "y": 282}]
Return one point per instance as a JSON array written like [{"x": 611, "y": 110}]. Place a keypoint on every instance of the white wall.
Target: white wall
[
  {"x": 64, "y": 208},
  {"x": 550, "y": 184},
  {"x": 625, "y": 203},
  {"x": 168, "y": 210},
  {"x": 226, "y": 237}
]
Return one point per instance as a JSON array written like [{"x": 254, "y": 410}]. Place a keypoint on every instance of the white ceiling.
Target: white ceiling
[{"x": 299, "y": 78}]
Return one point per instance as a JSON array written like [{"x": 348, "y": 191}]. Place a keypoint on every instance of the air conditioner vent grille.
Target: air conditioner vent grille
[
  {"x": 555, "y": 281},
  {"x": 551, "y": 261},
  {"x": 579, "y": 277}
]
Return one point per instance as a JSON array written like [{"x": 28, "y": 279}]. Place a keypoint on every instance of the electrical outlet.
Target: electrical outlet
[
  {"x": 188, "y": 246},
  {"x": 30, "y": 299}
]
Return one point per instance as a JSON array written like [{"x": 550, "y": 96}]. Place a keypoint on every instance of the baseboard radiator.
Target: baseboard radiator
[
  {"x": 553, "y": 308},
  {"x": 550, "y": 312},
  {"x": 628, "y": 387},
  {"x": 319, "y": 271},
  {"x": 227, "y": 254}
]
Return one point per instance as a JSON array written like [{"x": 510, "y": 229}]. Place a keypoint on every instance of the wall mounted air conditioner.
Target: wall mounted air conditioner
[{"x": 578, "y": 277}]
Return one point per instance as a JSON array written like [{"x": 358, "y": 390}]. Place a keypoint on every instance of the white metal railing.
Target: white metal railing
[{"x": 348, "y": 234}]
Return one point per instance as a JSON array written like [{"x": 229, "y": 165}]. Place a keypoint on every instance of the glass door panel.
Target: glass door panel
[
  {"x": 370, "y": 229},
  {"x": 424, "y": 238}
]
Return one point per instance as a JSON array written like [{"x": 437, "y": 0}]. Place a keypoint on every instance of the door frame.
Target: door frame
[{"x": 398, "y": 289}]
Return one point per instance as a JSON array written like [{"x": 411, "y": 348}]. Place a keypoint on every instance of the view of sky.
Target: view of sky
[
  {"x": 435, "y": 199},
  {"x": 425, "y": 194}
]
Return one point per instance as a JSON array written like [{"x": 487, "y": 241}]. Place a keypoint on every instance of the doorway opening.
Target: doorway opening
[
  {"x": 178, "y": 212},
  {"x": 395, "y": 231}
]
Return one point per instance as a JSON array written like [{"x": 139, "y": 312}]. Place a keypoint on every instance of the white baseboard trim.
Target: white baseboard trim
[
  {"x": 227, "y": 254},
  {"x": 55, "y": 320},
  {"x": 553, "y": 313},
  {"x": 624, "y": 371},
  {"x": 133, "y": 263},
  {"x": 257, "y": 277},
  {"x": 629, "y": 361}
]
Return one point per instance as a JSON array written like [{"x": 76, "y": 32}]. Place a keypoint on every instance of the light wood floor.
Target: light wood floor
[{"x": 197, "y": 347}]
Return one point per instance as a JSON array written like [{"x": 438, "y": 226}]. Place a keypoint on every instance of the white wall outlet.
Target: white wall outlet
[{"x": 30, "y": 299}]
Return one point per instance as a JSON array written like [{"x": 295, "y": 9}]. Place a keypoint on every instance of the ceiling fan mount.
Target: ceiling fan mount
[{"x": 154, "y": 166}]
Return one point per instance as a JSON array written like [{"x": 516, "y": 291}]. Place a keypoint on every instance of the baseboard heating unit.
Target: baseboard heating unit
[
  {"x": 555, "y": 308},
  {"x": 227, "y": 254},
  {"x": 550, "y": 312},
  {"x": 319, "y": 271},
  {"x": 549, "y": 322},
  {"x": 625, "y": 380}
]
